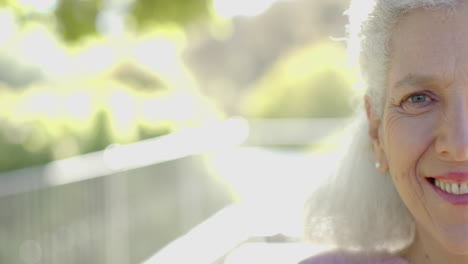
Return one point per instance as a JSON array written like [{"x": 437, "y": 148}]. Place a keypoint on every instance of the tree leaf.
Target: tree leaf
[{"x": 77, "y": 18}]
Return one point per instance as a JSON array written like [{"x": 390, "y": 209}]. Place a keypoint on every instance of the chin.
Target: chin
[
  {"x": 460, "y": 249},
  {"x": 456, "y": 240}
]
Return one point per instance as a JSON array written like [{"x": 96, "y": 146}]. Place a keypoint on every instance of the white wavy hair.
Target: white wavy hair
[{"x": 357, "y": 207}]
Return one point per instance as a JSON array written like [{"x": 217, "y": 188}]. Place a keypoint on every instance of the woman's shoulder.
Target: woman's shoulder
[{"x": 342, "y": 257}]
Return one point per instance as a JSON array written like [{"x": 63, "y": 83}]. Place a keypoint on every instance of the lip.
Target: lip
[
  {"x": 455, "y": 199},
  {"x": 454, "y": 176}
]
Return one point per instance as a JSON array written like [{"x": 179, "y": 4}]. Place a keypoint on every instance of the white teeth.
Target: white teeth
[
  {"x": 463, "y": 188},
  {"x": 448, "y": 187},
  {"x": 453, "y": 188}
]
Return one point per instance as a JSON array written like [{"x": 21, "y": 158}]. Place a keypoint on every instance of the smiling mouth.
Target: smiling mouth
[{"x": 450, "y": 186}]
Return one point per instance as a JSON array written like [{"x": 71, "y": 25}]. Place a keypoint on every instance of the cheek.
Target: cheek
[{"x": 405, "y": 140}]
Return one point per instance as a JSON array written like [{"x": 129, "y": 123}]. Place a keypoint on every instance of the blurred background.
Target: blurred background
[{"x": 167, "y": 131}]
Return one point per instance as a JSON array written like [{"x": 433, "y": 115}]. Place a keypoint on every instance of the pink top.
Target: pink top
[{"x": 350, "y": 258}]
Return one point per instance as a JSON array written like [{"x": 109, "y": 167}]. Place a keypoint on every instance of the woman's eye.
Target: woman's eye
[
  {"x": 417, "y": 103},
  {"x": 418, "y": 99}
]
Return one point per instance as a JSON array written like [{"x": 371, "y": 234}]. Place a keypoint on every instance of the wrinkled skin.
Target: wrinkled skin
[{"x": 423, "y": 131}]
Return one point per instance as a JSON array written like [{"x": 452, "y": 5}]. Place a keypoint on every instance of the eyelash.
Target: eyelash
[
  {"x": 416, "y": 95},
  {"x": 406, "y": 102}
]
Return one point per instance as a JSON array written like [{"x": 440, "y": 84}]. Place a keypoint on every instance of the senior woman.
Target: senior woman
[{"x": 401, "y": 192}]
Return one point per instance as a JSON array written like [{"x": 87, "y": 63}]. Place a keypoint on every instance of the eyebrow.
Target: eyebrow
[{"x": 414, "y": 80}]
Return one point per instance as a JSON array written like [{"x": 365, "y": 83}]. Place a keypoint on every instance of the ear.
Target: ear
[{"x": 375, "y": 135}]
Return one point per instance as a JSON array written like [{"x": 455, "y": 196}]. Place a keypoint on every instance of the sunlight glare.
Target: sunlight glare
[
  {"x": 97, "y": 58},
  {"x": 43, "y": 6},
  {"x": 161, "y": 55},
  {"x": 284, "y": 180},
  {"x": 124, "y": 113},
  {"x": 52, "y": 57},
  {"x": 229, "y": 8},
  {"x": 186, "y": 142},
  {"x": 8, "y": 28},
  {"x": 78, "y": 105},
  {"x": 43, "y": 103},
  {"x": 110, "y": 23}
]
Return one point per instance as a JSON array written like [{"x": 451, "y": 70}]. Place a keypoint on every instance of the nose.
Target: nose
[{"x": 452, "y": 141}]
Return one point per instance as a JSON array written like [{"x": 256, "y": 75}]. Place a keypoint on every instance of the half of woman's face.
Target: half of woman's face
[{"x": 422, "y": 136}]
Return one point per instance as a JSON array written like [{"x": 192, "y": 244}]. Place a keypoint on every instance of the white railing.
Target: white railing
[
  {"x": 120, "y": 162},
  {"x": 115, "y": 158},
  {"x": 218, "y": 135}
]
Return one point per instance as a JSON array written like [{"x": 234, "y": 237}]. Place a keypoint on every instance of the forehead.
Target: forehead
[{"x": 430, "y": 43}]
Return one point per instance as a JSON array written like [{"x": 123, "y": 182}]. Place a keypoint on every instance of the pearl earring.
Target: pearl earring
[{"x": 378, "y": 165}]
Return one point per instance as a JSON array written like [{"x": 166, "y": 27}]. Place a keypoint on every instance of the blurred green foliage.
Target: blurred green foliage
[
  {"x": 310, "y": 82},
  {"x": 148, "y": 13},
  {"x": 44, "y": 121},
  {"x": 41, "y": 124},
  {"x": 77, "y": 19}
]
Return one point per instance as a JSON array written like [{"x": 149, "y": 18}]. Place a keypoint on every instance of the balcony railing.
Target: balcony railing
[{"x": 126, "y": 203}]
